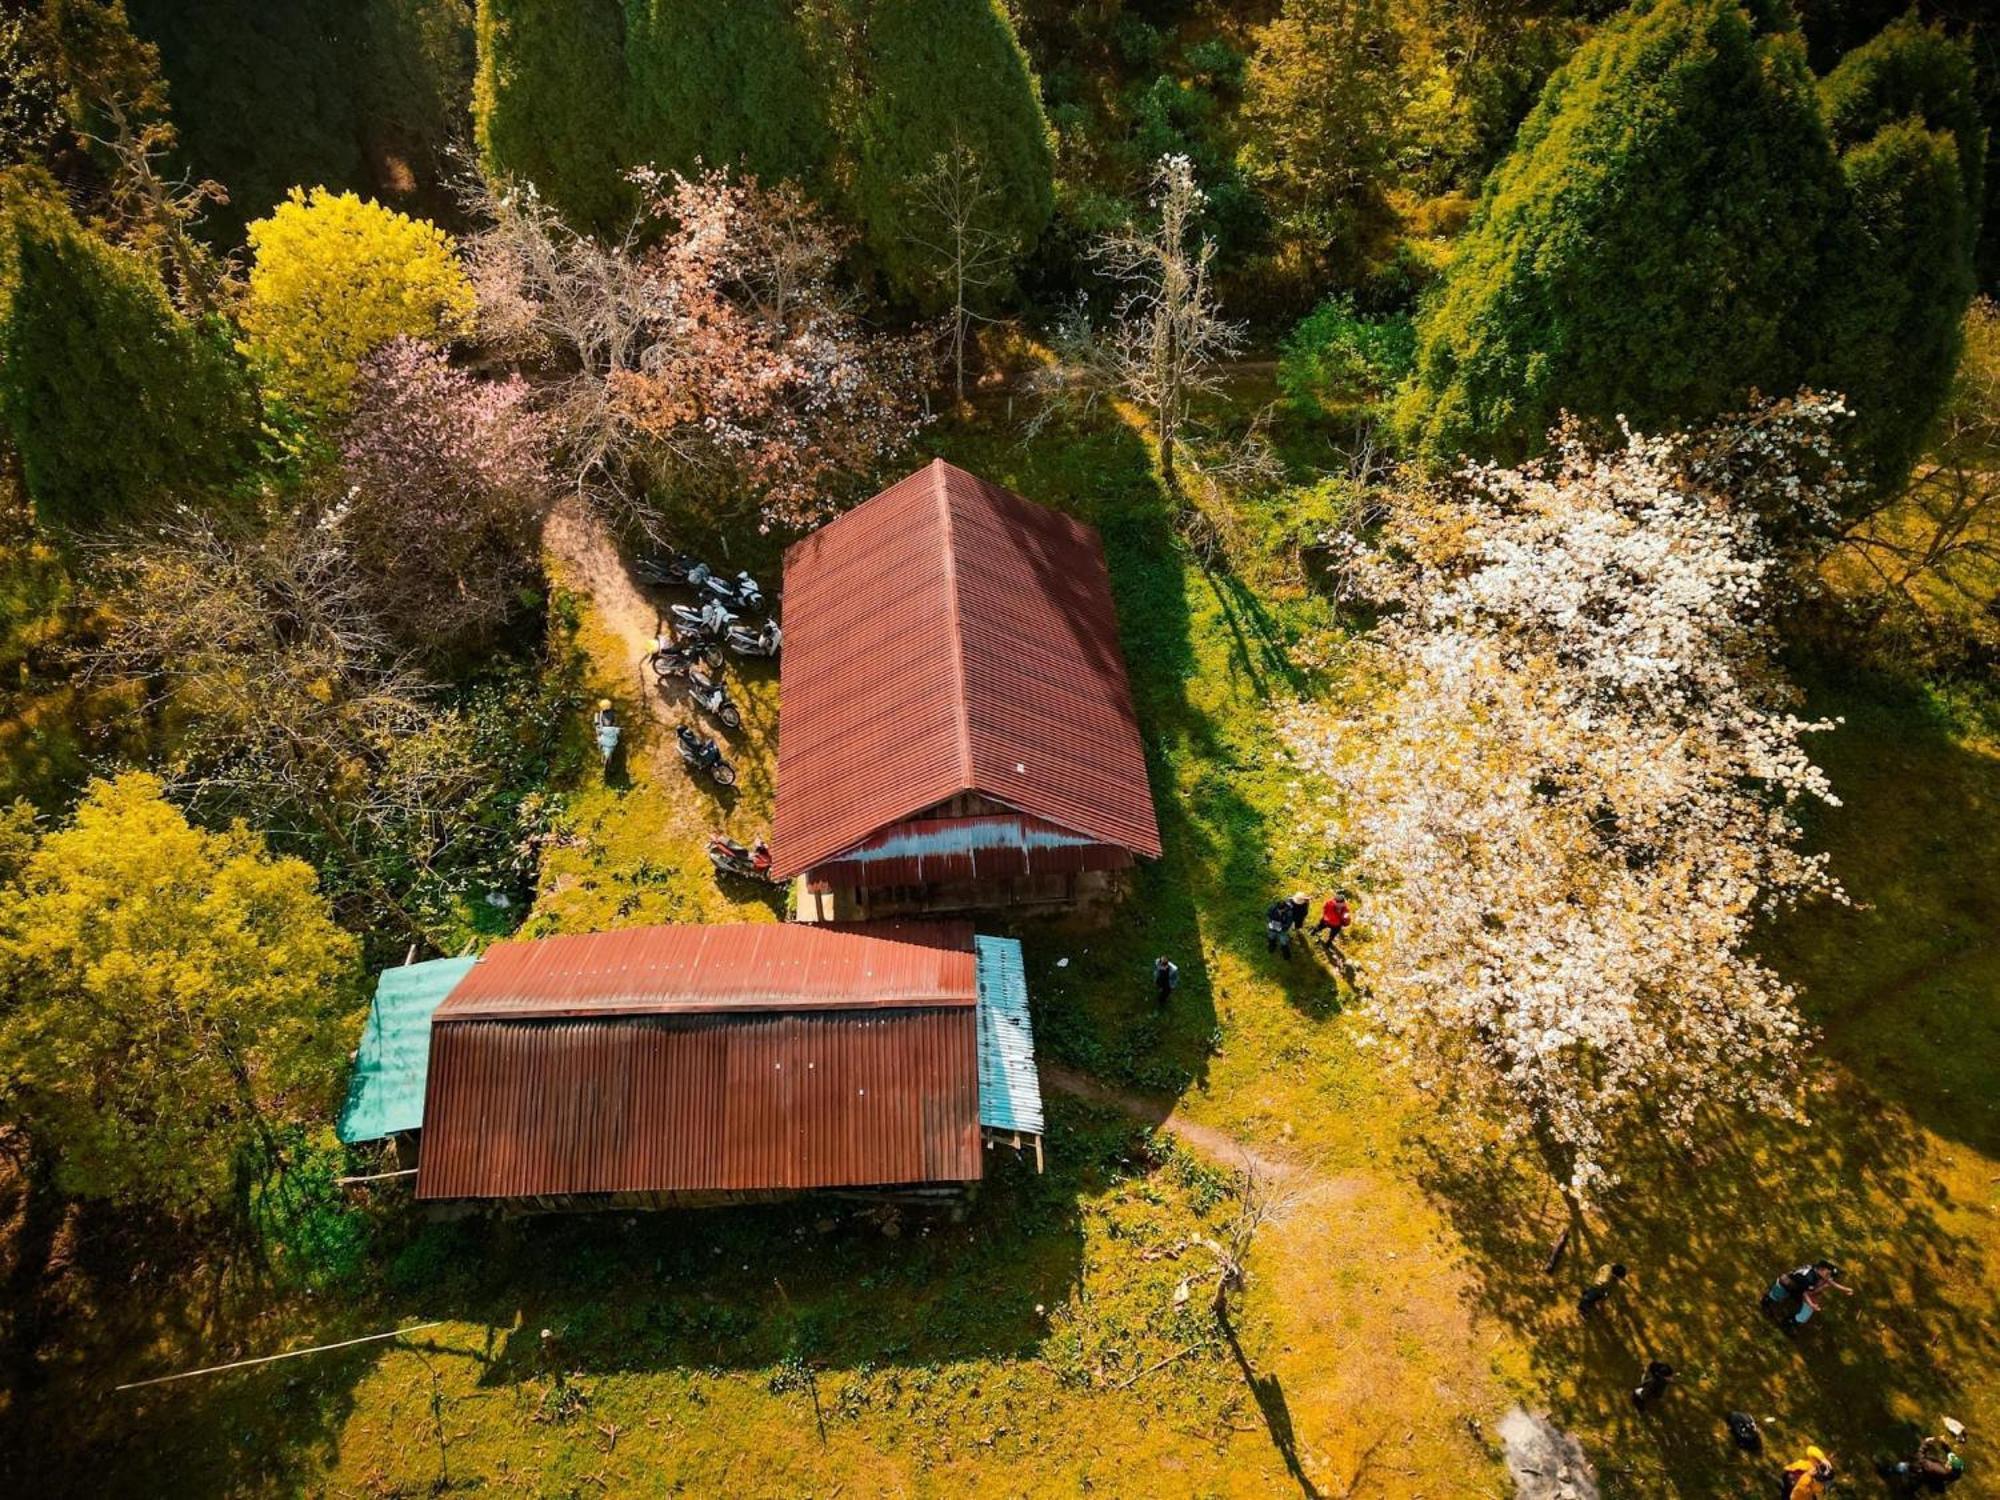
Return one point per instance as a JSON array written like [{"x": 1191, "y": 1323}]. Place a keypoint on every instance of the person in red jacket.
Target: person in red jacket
[{"x": 1334, "y": 919}]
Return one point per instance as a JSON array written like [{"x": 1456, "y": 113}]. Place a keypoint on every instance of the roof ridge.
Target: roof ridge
[{"x": 961, "y": 719}]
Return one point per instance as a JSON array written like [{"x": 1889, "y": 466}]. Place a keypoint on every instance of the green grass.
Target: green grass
[{"x": 760, "y": 1351}]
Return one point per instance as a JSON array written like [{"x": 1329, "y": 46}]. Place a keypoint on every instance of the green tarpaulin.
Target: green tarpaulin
[{"x": 386, "y": 1094}]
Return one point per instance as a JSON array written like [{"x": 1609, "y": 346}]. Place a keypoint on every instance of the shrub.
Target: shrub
[
  {"x": 335, "y": 276},
  {"x": 1336, "y": 356},
  {"x": 114, "y": 401}
]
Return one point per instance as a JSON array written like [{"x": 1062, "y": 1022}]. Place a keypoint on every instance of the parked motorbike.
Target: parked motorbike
[
  {"x": 708, "y": 622},
  {"x": 761, "y": 642},
  {"x": 753, "y": 863},
  {"x": 708, "y": 694},
  {"x": 742, "y": 590},
  {"x": 668, "y": 568},
  {"x": 604, "y": 726},
  {"x": 704, "y": 755},
  {"x": 673, "y": 656}
]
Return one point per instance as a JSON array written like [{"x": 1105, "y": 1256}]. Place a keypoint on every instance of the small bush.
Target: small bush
[
  {"x": 1337, "y": 357},
  {"x": 316, "y": 1234}
]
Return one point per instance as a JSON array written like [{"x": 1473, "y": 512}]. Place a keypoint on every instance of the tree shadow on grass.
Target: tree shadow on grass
[
  {"x": 120, "y": 1297},
  {"x": 1910, "y": 1052},
  {"x": 1705, "y": 1232},
  {"x": 1260, "y": 643},
  {"x": 1217, "y": 873},
  {"x": 1269, "y": 1392},
  {"x": 812, "y": 1288},
  {"x": 1903, "y": 985}
]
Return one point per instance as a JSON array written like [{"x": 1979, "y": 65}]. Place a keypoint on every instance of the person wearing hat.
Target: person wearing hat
[
  {"x": 1935, "y": 1466},
  {"x": 1301, "y": 909},
  {"x": 1807, "y": 1477}
]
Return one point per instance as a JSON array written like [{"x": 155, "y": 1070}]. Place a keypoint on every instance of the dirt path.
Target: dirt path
[
  {"x": 590, "y": 563},
  {"x": 1215, "y": 1144}
]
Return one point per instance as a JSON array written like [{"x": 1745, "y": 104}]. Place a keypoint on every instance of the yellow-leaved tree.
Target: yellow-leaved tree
[
  {"x": 335, "y": 275},
  {"x": 170, "y": 998}
]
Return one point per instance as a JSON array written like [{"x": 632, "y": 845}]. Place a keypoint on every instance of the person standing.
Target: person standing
[
  {"x": 1601, "y": 1287},
  {"x": 1653, "y": 1382},
  {"x": 1165, "y": 977},
  {"x": 1807, "y": 1477},
  {"x": 1278, "y": 928},
  {"x": 1301, "y": 909},
  {"x": 1334, "y": 917}
]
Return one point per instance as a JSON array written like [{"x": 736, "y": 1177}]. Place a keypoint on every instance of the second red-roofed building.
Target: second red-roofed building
[{"x": 955, "y": 727}]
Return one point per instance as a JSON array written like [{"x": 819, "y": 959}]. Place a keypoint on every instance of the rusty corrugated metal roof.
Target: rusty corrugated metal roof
[
  {"x": 693, "y": 1103},
  {"x": 696, "y": 1059},
  {"x": 950, "y": 636},
  {"x": 746, "y": 966},
  {"x": 984, "y": 847}
]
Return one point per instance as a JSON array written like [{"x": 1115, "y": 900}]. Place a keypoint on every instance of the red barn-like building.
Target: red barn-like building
[{"x": 955, "y": 726}]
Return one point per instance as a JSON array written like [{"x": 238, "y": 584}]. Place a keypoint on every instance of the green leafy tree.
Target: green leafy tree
[
  {"x": 572, "y": 94},
  {"x": 549, "y": 104},
  {"x": 944, "y": 75},
  {"x": 1323, "y": 104},
  {"x": 744, "y": 86},
  {"x": 113, "y": 400},
  {"x": 1676, "y": 229},
  {"x": 173, "y": 997},
  {"x": 852, "y": 99},
  {"x": 361, "y": 95}
]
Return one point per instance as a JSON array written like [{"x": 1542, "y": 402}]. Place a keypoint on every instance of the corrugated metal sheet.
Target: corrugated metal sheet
[
  {"x": 950, "y": 636},
  {"x": 1010, "y": 1090},
  {"x": 699, "y": 1103},
  {"x": 687, "y": 969},
  {"x": 999, "y": 847},
  {"x": 386, "y": 1093}
]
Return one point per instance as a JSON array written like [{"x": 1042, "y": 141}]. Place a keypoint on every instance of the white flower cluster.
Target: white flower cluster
[{"x": 1573, "y": 786}]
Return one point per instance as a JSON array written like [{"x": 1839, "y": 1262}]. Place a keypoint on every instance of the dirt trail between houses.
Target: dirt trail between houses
[
  {"x": 590, "y": 564},
  {"x": 1217, "y": 1145}
]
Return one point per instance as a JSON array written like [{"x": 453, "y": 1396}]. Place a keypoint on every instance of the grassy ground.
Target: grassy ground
[{"x": 1393, "y": 1314}]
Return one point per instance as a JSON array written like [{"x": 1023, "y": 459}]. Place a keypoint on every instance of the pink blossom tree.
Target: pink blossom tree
[
  {"x": 721, "y": 365},
  {"x": 445, "y": 483}
]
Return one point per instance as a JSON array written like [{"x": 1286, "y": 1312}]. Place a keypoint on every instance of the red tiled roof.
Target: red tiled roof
[
  {"x": 707, "y": 1059},
  {"x": 949, "y": 636}
]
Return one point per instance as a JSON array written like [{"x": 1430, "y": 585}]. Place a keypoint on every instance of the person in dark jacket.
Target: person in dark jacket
[
  {"x": 1653, "y": 1382},
  {"x": 1278, "y": 928},
  {"x": 1165, "y": 977}
]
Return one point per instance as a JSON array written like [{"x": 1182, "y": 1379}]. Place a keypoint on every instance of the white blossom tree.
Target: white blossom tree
[{"x": 1571, "y": 772}]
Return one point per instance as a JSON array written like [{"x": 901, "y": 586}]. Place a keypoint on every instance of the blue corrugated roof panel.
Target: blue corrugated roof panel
[
  {"x": 386, "y": 1094},
  {"x": 1010, "y": 1091}
]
